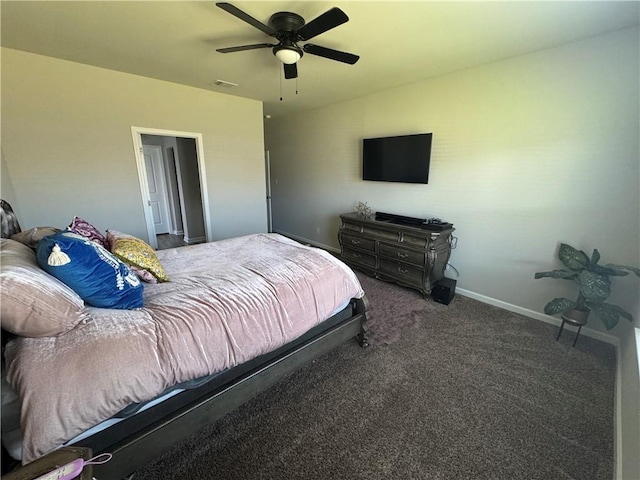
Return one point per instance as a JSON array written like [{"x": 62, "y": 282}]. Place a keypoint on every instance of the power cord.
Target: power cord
[
  {"x": 448, "y": 265},
  {"x": 453, "y": 243}
]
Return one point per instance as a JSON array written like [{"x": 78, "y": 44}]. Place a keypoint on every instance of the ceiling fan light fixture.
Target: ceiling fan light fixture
[{"x": 288, "y": 54}]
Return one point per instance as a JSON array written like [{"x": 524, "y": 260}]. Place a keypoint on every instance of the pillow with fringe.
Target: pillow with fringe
[{"x": 94, "y": 273}]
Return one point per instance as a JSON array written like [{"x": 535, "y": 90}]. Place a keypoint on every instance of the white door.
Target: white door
[{"x": 158, "y": 200}]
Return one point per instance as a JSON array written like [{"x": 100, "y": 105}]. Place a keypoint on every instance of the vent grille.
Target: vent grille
[{"x": 225, "y": 84}]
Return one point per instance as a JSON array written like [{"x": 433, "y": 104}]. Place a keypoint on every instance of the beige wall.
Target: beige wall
[
  {"x": 527, "y": 152},
  {"x": 67, "y": 146}
]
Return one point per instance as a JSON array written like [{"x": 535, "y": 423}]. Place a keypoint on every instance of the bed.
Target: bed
[{"x": 234, "y": 317}]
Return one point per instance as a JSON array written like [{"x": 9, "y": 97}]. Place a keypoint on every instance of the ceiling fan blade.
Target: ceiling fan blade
[
  {"x": 241, "y": 48},
  {"x": 328, "y": 20},
  {"x": 235, "y": 11},
  {"x": 290, "y": 70},
  {"x": 331, "y": 54}
]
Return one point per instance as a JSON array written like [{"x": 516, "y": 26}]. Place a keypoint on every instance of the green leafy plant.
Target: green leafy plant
[{"x": 594, "y": 285}]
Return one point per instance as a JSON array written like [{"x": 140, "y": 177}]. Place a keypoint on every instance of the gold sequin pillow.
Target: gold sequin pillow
[{"x": 137, "y": 253}]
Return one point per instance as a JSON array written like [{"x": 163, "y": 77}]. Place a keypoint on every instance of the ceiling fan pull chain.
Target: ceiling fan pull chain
[{"x": 280, "y": 77}]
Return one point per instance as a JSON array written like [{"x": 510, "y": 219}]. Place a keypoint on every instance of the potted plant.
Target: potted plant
[{"x": 594, "y": 286}]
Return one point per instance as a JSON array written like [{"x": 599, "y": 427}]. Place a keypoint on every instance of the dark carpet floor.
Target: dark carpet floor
[{"x": 465, "y": 391}]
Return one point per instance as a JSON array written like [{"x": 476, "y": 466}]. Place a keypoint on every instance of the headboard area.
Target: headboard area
[{"x": 8, "y": 219}]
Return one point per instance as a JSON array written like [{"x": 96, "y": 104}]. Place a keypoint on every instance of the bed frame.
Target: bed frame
[{"x": 139, "y": 439}]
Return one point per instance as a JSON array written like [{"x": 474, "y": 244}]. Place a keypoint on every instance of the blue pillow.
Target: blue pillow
[{"x": 94, "y": 273}]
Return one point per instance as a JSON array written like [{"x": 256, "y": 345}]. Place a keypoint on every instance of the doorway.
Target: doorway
[{"x": 173, "y": 187}]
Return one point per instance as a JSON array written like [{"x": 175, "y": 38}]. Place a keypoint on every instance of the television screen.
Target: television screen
[{"x": 403, "y": 158}]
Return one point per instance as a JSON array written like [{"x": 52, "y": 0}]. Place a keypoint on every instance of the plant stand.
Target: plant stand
[{"x": 576, "y": 322}]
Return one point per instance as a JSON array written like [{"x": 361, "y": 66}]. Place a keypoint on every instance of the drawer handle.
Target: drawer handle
[
  {"x": 402, "y": 270},
  {"x": 355, "y": 242},
  {"x": 357, "y": 255},
  {"x": 402, "y": 255}
]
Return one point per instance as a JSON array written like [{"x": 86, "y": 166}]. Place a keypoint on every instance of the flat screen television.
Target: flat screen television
[{"x": 403, "y": 158}]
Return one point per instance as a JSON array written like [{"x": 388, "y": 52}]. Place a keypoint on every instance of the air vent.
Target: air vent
[{"x": 225, "y": 84}]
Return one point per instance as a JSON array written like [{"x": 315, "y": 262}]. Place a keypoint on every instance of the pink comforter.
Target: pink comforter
[{"x": 226, "y": 302}]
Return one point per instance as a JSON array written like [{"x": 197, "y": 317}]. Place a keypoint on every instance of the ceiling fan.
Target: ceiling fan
[{"x": 289, "y": 29}]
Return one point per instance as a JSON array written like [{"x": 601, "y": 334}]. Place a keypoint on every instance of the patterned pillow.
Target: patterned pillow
[
  {"x": 96, "y": 275},
  {"x": 84, "y": 228},
  {"x": 33, "y": 303},
  {"x": 137, "y": 253}
]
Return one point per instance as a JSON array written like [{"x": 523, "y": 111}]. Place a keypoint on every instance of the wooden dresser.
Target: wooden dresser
[{"x": 410, "y": 256}]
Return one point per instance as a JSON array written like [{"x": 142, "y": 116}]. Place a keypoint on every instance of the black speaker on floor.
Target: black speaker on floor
[{"x": 444, "y": 290}]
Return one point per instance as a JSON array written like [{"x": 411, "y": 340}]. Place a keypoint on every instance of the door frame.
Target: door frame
[{"x": 136, "y": 133}]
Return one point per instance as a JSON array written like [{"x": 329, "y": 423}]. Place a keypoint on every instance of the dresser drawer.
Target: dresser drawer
[
  {"x": 416, "y": 241},
  {"x": 356, "y": 256},
  {"x": 398, "y": 253},
  {"x": 381, "y": 234},
  {"x": 355, "y": 241},
  {"x": 402, "y": 272}
]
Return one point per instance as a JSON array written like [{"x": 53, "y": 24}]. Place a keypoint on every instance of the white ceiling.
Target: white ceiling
[{"x": 399, "y": 42}]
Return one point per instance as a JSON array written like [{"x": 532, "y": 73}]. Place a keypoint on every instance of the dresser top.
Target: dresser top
[{"x": 390, "y": 225}]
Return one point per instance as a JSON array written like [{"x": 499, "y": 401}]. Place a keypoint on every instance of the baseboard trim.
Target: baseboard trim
[
  {"x": 605, "y": 337},
  {"x": 195, "y": 239}
]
